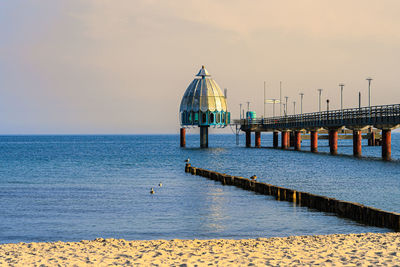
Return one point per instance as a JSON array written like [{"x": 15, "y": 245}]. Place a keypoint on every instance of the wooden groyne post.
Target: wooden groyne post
[{"x": 355, "y": 211}]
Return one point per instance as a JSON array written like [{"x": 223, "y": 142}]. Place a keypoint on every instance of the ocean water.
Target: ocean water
[{"x": 71, "y": 188}]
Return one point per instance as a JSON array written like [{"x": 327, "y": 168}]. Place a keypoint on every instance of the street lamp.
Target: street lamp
[
  {"x": 294, "y": 107},
  {"x": 264, "y": 99},
  {"x": 280, "y": 98},
  {"x": 369, "y": 79},
  {"x": 341, "y": 95},
  {"x": 301, "y": 103},
  {"x": 319, "y": 101},
  {"x": 286, "y": 97},
  {"x": 273, "y": 101},
  {"x": 327, "y": 110},
  {"x": 240, "y": 111}
]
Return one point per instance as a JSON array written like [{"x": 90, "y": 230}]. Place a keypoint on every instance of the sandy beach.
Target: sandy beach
[{"x": 338, "y": 249}]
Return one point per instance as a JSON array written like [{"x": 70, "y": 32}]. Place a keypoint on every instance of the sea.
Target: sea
[{"x": 81, "y": 187}]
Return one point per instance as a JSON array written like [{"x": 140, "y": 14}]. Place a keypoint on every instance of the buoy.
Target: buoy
[
  {"x": 160, "y": 184},
  {"x": 152, "y": 191}
]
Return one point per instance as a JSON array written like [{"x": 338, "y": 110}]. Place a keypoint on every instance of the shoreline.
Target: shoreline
[{"x": 364, "y": 248}]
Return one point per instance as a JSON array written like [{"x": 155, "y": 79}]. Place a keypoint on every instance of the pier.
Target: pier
[
  {"x": 384, "y": 118},
  {"x": 354, "y": 211}
]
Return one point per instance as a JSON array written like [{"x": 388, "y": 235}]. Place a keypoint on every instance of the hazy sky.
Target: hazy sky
[{"x": 122, "y": 66}]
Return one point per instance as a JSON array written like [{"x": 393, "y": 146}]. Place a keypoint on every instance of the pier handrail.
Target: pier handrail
[{"x": 375, "y": 115}]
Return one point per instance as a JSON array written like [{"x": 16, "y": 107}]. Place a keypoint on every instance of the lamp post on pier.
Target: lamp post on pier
[
  {"x": 273, "y": 101},
  {"x": 264, "y": 98},
  {"x": 280, "y": 98},
  {"x": 327, "y": 111},
  {"x": 369, "y": 79},
  {"x": 301, "y": 103},
  {"x": 286, "y": 97},
  {"x": 341, "y": 95},
  {"x": 294, "y": 107},
  {"x": 319, "y": 99},
  {"x": 319, "y": 103}
]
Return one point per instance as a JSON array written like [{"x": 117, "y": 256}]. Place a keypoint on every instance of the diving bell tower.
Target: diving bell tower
[{"x": 203, "y": 105}]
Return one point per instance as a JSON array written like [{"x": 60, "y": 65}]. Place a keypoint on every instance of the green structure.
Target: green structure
[{"x": 203, "y": 105}]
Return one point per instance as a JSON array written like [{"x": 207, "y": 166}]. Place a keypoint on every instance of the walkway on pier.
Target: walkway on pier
[{"x": 384, "y": 118}]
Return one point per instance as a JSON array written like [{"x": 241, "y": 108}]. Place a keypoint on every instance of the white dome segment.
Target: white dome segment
[{"x": 202, "y": 98}]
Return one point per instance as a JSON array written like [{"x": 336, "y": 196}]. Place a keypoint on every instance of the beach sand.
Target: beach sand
[{"x": 353, "y": 249}]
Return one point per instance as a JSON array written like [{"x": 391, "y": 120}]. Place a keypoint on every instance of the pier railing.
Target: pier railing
[{"x": 354, "y": 117}]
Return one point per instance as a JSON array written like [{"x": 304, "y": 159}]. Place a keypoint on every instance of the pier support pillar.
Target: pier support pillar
[
  {"x": 297, "y": 140},
  {"x": 275, "y": 136},
  {"x": 371, "y": 139},
  {"x": 357, "y": 143},
  {"x": 333, "y": 141},
  {"x": 248, "y": 139},
  {"x": 183, "y": 137},
  {"x": 314, "y": 141},
  {"x": 386, "y": 144},
  {"x": 291, "y": 139},
  {"x": 203, "y": 136},
  {"x": 285, "y": 139},
  {"x": 257, "y": 139}
]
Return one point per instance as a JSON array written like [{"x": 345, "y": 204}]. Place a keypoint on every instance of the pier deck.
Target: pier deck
[{"x": 384, "y": 118}]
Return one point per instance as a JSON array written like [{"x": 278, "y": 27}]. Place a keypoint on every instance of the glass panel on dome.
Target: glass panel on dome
[
  {"x": 211, "y": 117},
  {"x": 204, "y": 118}
]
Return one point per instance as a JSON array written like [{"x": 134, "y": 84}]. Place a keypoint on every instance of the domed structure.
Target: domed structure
[{"x": 203, "y": 105}]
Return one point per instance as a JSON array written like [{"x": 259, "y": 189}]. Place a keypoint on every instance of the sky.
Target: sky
[{"x": 122, "y": 66}]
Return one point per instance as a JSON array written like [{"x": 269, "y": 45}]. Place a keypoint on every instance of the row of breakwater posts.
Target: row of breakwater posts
[
  {"x": 370, "y": 119},
  {"x": 355, "y": 211}
]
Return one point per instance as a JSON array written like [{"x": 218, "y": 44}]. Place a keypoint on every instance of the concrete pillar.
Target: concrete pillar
[
  {"x": 314, "y": 141},
  {"x": 258, "y": 139},
  {"x": 357, "y": 143},
  {"x": 333, "y": 141},
  {"x": 297, "y": 140},
  {"x": 284, "y": 139},
  {"x": 183, "y": 137},
  {"x": 275, "y": 139},
  {"x": 203, "y": 136},
  {"x": 386, "y": 144},
  {"x": 291, "y": 139},
  {"x": 248, "y": 139},
  {"x": 371, "y": 139}
]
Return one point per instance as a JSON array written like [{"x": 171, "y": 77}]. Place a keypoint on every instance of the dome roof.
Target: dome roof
[{"x": 203, "y": 94}]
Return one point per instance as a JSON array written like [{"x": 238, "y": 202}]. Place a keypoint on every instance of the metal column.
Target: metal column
[
  {"x": 183, "y": 137},
  {"x": 203, "y": 136}
]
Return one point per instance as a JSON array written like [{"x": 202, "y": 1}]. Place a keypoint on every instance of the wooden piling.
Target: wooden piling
[{"x": 355, "y": 211}]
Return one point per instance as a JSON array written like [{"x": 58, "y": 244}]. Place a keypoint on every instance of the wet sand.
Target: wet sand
[{"x": 339, "y": 249}]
